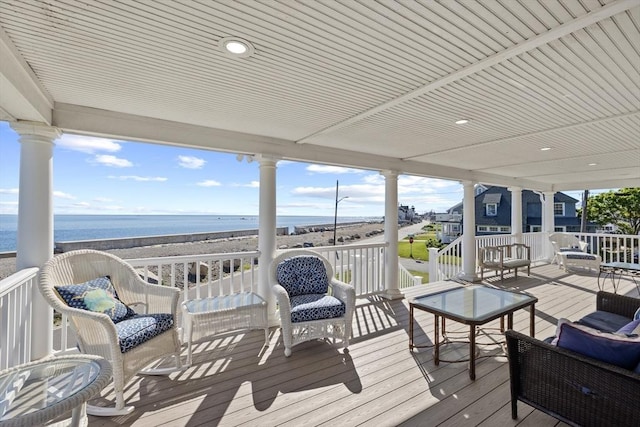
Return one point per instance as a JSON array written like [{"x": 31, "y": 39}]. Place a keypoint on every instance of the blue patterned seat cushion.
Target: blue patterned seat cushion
[
  {"x": 140, "y": 328},
  {"x": 315, "y": 307},
  {"x": 303, "y": 275},
  {"x": 580, "y": 255},
  {"x": 97, "y": 295}
]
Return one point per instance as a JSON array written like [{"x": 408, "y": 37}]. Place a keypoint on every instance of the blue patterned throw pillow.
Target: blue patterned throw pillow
[
  {"x": 302, "y": 275},
  {"x": 97, "y": 295}
]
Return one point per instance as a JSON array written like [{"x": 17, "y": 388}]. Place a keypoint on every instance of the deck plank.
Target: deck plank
[{"x": 236, "y": 381}]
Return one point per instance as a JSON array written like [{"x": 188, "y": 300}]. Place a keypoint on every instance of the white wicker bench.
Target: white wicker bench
[{"x": 210, "y": 316}]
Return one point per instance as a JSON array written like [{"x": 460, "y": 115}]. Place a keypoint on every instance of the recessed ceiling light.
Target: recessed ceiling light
[
  {"x": 236, "y": 47},
  {"x": 462, "y": 121},
  {"x": 592, "y": 164},
  {"x": 545, "y": 149}
]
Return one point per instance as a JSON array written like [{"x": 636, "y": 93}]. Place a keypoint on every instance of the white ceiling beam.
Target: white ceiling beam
[
  {"x": 22, "y": 97},
  {"x": 526, "y": 135},
  {"x": 598, "y": 185},
  {"x": 95, "y": 122},
  {"x": 590, "y": 18}
]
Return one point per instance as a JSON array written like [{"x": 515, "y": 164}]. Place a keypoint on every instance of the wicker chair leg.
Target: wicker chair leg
[{"x": 119, "y": 409}]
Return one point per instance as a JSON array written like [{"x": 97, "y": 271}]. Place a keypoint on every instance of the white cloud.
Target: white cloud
[
  {"x": 61, "y": 195},
  {"x": 87, "y": 144},
  {"x": 139, "y": 178},
  {"x": 191, "y": 162},
  {"x": 102, "y": 200},
  {"x": 81, "y": 205},
  {"x": 9, "y": 191},
  {"x": 9, "y": 208},
  {"x": 252, "y": 184},
  {"x": 112, "y": 161},
  {"x": 209, "y": 183},
  {"x": 423, "y": 193},
  {"x": 332, "y": 169},
  {"x": 112, "y": 208},
  {"x": 361, "y": 192}
]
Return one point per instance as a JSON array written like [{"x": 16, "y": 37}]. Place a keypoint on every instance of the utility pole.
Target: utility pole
[
  {"x": 583, "y": 217},
  {"x": 335, "y": 215}
]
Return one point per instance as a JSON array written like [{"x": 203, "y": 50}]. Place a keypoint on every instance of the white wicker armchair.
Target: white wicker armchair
[
  {"x": 97, "y": 333},
  {"x": 304, "y": 315},
  {"x": 566, "y": 240}
]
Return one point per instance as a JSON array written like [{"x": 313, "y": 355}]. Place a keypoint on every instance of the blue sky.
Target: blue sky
[{"x": 103, "y": 176}]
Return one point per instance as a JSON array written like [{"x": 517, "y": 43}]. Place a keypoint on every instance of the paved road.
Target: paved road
[{"x": 403, "y": 232}]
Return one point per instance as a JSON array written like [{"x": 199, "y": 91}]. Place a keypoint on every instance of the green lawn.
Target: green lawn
[{"x": 420, "y": 252}]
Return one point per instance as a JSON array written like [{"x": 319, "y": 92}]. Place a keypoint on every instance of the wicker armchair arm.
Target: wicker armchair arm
[
  {"x": 344, "y": 292},
  {"x": 618, "y": 304},
  {"x": 160, "y": 299},
  {"x": 284, "y": 304},
  {"x": 96, "y": 332}
]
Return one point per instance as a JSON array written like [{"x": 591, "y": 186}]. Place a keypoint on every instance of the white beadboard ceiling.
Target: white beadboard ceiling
[{"x": 367, "y": 83}]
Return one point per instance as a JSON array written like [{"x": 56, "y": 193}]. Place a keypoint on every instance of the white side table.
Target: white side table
[
  {"x": 37, "y": 392},
  {"x": 211, "y": 316}
]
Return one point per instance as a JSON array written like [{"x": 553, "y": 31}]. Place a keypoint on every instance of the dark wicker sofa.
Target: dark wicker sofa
[{"x": 571, "y": 387}]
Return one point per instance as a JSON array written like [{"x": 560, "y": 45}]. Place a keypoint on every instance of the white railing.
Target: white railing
[
  {"x": 201, "y": 276},
  {"x": 541, "y": 249},
  {"x": 360, "y": 265},
  {"x": 406, "y": 279},
  {"x": 15, "y": 317},
  {"x": 446, "y": 263},
  {"x": 613, "y": 247}
]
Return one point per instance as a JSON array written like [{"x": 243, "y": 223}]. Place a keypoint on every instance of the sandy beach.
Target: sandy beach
[{"x": 349, "y": 234}]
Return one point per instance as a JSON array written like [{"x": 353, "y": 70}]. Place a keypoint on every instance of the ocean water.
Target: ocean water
[{"x": 90, "y": 227}]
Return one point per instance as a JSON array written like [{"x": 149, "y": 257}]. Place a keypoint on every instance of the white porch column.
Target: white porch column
[
  {"x": 35, "y": 221},
  {"x": 516, "y": 214},
  {"x": 469, "y": 233},
  {"x": 391, "y": 234},
  {"x": 267, "y": 231},
  {"x": 548, "y": 220}
]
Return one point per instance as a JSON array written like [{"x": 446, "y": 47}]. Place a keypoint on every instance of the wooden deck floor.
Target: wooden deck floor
[{"x": 378, "y": 382}]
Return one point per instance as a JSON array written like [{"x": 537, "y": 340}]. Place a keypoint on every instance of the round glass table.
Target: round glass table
[{"x": 37, "y": 392}]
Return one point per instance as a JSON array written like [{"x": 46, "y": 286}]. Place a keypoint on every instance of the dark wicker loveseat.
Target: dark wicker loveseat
[{"x": 574, "y": 388}]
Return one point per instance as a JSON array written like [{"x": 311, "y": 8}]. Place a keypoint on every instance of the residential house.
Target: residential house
[
  {"x": 493, "y": 212},
  {"x": 406, "y": 213}
]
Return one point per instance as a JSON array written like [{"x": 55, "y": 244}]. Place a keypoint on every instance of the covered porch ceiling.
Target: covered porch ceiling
[{"x": 361, "y": 83}]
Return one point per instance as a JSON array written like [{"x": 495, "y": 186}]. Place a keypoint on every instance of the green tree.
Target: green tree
[{"x": 621, "y": 208}]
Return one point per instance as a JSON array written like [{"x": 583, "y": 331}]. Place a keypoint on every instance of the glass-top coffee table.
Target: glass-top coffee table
[{"x": 471, "y": 305}]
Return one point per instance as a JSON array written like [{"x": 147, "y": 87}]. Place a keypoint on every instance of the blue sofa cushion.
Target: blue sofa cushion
[
  {"x": 141, "y": 328},
  {"x": 604, "y": 321},
  {"x": 302, "y": 275},
  {"x": 305, "y": 308},
  {"x": 96, "y": 295},
  {"x": 606, "y": 347}
]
